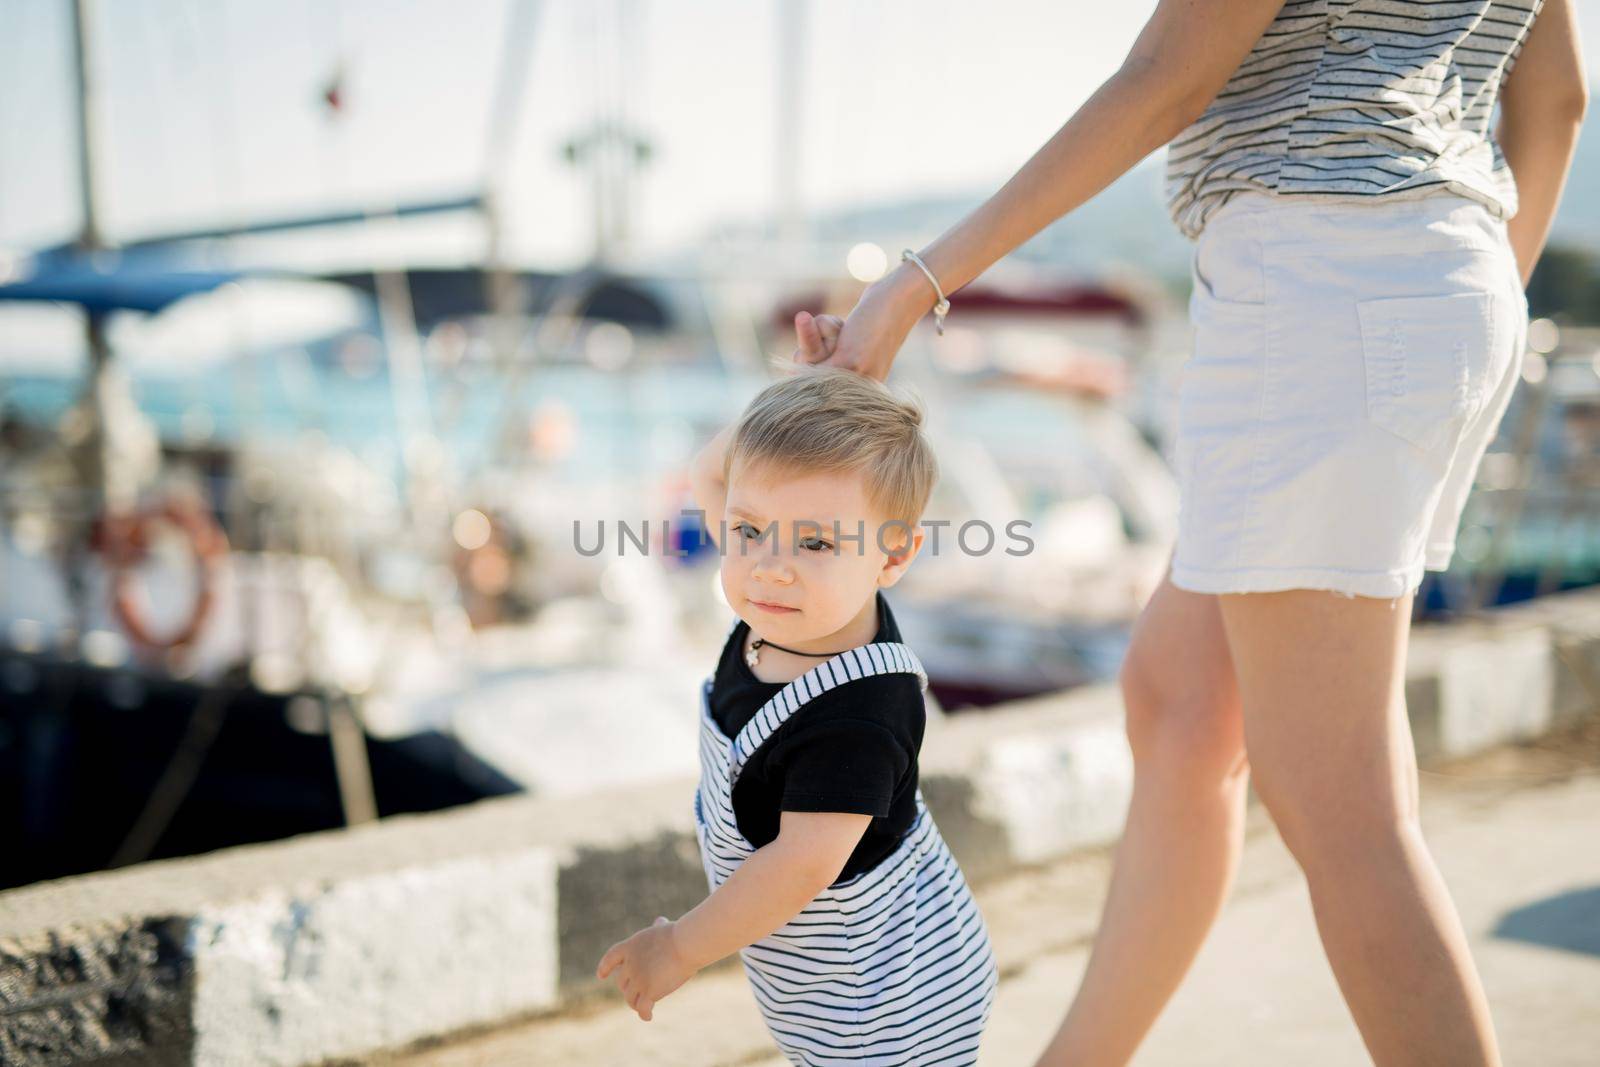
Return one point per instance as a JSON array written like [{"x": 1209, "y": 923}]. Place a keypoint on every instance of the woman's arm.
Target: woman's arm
[
  {"x": 1542, "y": 104},
  {"x": 1182, "y": 58},
  {"x": 707, "y": 485}
]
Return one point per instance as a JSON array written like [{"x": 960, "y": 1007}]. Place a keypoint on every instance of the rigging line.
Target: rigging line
[
  {"x": 165, "y": 98},
  {"x": 160, "y": 84},
  {"x": 27, "y": 99},
  {"x": 629, "y": 71},
  {"x": 225, "y": 150},
  {"x": 505, "y": 111},
  {"x": 505, "y": 294},
  {"x": 6, "y": 107},
  {"x": 179, "y": 775}
]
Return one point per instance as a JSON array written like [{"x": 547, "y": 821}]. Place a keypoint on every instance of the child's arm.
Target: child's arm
[
  {"x": 810, "y": 850},
  {"x": 764, "y": 893},
  {"x": 705, "y": 481}
]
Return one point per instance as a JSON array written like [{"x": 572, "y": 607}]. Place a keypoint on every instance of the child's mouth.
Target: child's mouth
[{"x": 775, "y": 609}]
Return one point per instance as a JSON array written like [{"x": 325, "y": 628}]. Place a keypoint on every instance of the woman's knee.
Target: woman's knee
[
  {"x": 1179, "y": 689},
  {"x": 1191, "y": 727},
  {"x": 1327, "y": 834}
]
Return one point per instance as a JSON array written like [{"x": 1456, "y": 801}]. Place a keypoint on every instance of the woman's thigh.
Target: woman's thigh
[{"x": 1321, "y": 679}]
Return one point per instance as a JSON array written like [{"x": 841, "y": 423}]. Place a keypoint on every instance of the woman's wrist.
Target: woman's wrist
[
  {"x": 907, "y": 292},
  {"x": 711, "y": 458}
]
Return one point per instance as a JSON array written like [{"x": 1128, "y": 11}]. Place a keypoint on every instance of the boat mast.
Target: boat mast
[
  {"x": 94, "y": 464},
  {"x": 791, "y": 28},
  {"x": 85, "y": 82},
  {"x": 505, "y": 295}
]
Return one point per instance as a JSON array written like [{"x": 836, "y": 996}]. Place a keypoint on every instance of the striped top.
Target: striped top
[{"x": 1351, "y": 99}]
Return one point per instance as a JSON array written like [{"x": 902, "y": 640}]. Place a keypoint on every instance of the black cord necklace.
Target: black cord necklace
[{"x": 753, "y": 656}]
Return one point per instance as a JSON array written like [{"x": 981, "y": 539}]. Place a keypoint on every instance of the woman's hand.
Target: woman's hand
[
  {"x": 646, "y": 967},
  {"x": 869, "y": 338}
]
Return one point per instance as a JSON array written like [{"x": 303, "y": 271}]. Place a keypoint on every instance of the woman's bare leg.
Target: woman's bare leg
[
  {"x": 1185, "y": 828},
  {"x": 1322, "y": 679}
]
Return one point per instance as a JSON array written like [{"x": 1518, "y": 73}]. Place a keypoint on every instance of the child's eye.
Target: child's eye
[
  {"x": 748, "y": 532},
  {"x": 815, "y": 544}
]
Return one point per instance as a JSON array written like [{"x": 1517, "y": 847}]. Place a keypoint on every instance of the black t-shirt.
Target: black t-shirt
[{"x": 853, "y": 748}]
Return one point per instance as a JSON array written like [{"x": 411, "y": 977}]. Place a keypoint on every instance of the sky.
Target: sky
[{"x": 212, "y": 109}]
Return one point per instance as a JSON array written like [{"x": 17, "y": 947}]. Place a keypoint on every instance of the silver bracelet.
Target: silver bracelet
[{"x": 942, "y": 308}]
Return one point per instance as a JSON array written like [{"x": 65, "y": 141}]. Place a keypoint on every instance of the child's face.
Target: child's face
[{"x": 795, "y": 566}]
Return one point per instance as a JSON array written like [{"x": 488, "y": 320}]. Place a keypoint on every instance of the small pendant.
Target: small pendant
[{"x": 753, "y": 655}]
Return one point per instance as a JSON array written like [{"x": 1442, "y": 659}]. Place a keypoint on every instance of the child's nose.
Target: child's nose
[{"x": 773, "y": 569}]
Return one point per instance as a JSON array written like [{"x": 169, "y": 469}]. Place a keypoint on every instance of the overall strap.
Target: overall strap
[
  {"x": 882, "y": 657},
  {"x": 732, "y": 629}
]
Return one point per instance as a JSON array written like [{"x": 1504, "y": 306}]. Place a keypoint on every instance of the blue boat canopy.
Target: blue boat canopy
[{"x": 99, "y": 292}]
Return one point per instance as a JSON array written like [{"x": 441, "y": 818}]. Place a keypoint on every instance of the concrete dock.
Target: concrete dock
[
  {"x": 470, "y": 935},
  {"x": 1514, "y": 830}
]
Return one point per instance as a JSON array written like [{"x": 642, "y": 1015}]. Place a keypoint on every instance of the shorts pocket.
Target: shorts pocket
[{"x": 1426, "y": 361}]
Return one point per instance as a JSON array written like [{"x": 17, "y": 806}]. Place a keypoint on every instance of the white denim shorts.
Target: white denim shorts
[{"x": 1351, "y": 364}]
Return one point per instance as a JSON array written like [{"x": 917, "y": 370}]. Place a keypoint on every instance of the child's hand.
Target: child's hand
[
  {"x": 818, "y": 336},
  {"x": 646, "y": 967}
]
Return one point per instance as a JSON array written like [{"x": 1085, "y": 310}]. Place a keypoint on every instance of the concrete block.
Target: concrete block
[
  {"x": 607, "y": 894},
  {"x": 1056, "y": 794},
  {"x": 1496, "y": 689},
  {"x": 1477, "y": 685},
  {"x": 1575, "y": 643},
  {"x": 1031, "y": 781},
  {"x": 109, "y": 993},
  {"x": 1425, "y": 709},
  {"x": 977, "y": 837},
  {"x": 1573, "y": 620},
  {"x": 375, "y": 962}
]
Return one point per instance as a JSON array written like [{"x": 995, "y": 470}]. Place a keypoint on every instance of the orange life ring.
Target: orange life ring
[{"x": 124, "y": 541}]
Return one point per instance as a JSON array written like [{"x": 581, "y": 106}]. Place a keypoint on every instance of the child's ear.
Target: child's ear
[{"x": 901, "y": 553}]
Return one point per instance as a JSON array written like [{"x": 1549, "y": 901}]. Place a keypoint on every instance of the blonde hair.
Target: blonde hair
[{"x": 822, "y": 419}]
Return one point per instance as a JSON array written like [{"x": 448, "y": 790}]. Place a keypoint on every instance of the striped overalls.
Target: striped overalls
[{"x": 892, "y": 966}]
